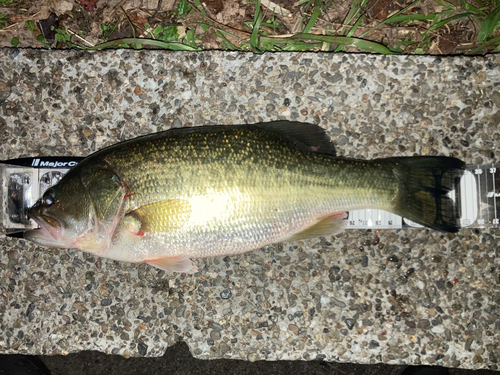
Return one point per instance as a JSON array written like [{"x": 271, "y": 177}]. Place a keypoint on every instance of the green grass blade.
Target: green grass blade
[
  {"x": 386, "y": 20},
  {"x": 489, "y": 25},
  {"x": 228, "y": 45},
  {"x": 444, "y": 22},
  {"x": 411, "y": 17},
  {"x": 200, "y": 7},
  {"x": 204, "y": 26},
  {"x": 314, "y": 16},
  {"x": 266, "y": 24},
  {"x": 356, "y": 25},
  {"x": 356, "y": 7},
  {"x": 445, "y": 4},
  {"x": 301, "y": 46},
  {"x": 472, "y": 8},
  {"x": 353, "y": 11},
  {"x": 140, "y": 41},
  {"x": 254, "y": 38},
  {"x": 484, "y": 45},
  {"x": 362, "y": 44},
  {"x": 327, "y": 45},
  {"x": 288, "y": 45},
  {"x": 226, "y": 42},
  {"x": 353, "y": 29},
  {"x": 443, "y": 15},
  {"x": 306, "y": 9}
]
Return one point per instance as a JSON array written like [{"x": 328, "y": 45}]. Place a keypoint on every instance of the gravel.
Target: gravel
[{"x": 362, "y": 304}]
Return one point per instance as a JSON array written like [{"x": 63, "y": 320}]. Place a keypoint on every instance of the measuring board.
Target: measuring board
[
  {"x": 478, "y": 191},
  {"x": 23, "y": 181}
]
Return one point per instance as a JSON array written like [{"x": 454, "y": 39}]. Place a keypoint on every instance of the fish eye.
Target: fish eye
[{"x": 49, "y": 197}]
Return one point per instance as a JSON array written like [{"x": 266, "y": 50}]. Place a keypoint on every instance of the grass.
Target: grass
[
  {"x": 357, "y": 31},
  {"x": 3, "y": 23},
  {"x": 139, "y": 42},
  {"x": 470, "y": 27}
]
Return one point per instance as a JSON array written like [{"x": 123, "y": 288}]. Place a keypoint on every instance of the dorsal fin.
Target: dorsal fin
[{"x": 308, "y": 134}]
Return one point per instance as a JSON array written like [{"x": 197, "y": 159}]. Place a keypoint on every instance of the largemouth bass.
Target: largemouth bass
[{"x": 170, "y": 197}]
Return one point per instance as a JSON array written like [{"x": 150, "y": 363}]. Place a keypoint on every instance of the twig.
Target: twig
[
  {"x": 130, "y": 22},
  {"x": 246, "y": 34},
  {"x": 34, "y": 17},
  {"x": 275, "y": 7},
  {"x": 10, "y": 26},
  {"x": 158, "y": 7},
  {"x": 119, "y": 5},
  {"x": 71, "y": 32}
]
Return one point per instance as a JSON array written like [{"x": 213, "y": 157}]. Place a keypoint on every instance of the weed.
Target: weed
[
  {"x": 107, "y": 30},
  {"x": 30, "y": 25}
]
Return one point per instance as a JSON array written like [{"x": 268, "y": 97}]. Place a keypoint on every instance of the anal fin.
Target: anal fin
[
  {"x": 329, "y": 225},
  {"x": 176, "y": 263}
]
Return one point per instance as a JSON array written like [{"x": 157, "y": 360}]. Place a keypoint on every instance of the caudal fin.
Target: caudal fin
[{"x": 424, "y": 184}]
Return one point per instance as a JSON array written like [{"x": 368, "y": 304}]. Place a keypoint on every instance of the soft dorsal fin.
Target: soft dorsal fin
[{"x": 308, "y": 134}]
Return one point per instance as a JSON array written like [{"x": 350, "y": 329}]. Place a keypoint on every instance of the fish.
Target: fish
[{"x": 168, "y": 198}]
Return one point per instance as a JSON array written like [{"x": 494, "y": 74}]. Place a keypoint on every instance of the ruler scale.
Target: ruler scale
[
  {"x": 23, "y": 181},
  {"x": 492, "y": 171}
]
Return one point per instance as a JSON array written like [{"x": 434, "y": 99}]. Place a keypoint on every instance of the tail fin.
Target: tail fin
[{"x": 424, "y": 183}]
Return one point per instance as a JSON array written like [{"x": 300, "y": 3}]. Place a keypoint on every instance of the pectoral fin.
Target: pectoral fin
[
  {"x": 330, "y": 225},
  {"x": 160, "y": 216},
  {"x": 178, "y": 263}
]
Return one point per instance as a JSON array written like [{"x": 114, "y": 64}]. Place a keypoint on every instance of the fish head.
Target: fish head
[{"x": 65, "y": 214}]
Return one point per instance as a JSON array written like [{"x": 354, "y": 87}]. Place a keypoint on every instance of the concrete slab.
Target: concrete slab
[{"x": 393, "y": 296}]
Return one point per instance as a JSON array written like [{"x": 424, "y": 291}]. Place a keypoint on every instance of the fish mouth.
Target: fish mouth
[{"x": 50, "y": 227}]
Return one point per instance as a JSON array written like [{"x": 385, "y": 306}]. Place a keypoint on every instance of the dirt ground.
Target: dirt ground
[{"x": 382, "y": 26}]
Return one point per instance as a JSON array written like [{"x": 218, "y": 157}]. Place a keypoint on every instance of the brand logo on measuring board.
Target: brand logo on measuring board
[{"x": 53, "y": 164}]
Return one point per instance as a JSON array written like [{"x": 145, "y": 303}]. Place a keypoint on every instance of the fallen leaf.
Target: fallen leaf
[
  {"x": 60, "y": 7},
  {"x": 214, "y": 6},
  {"x": 88, "y": 5},
  {"x": 48, "y": 27}
]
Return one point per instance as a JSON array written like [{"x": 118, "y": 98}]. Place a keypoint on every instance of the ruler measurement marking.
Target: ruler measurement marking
[
  {"x": 493, "y": 172},
  {"x": 486, "y": 186}
]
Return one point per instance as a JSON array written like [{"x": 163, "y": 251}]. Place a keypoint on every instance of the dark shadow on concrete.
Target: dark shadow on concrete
[{"x": 178, "y": 360}]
